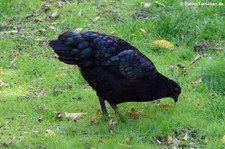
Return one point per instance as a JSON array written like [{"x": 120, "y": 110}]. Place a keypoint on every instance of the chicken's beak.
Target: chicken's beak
[
  {"x": 175, "y": 96},
  {"x": 175, "y": 92},
  {"x": 175, "y": 99}
]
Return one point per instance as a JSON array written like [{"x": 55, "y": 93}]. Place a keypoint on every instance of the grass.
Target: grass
[{"x": 35, "y": 85}]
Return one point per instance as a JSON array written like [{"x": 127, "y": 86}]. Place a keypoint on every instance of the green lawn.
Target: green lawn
[{"x": 34, "y": 85}]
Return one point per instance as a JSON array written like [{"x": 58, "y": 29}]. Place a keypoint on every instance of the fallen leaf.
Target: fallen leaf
[
  {"x": 102, "y": 141},
  {"x": 14, "y": 31},
  {"x": 49, "y": 132},
  {"x": 146, "y": 5},
  {"x": 94, "y": 116},
  {"x": 143, "y": 30},
  {"x": 24, "y": 133},
  {"x": 111, "y": 124},
  {"x": 78, "y": 30},
  {"x": 74, "y": 116},
  {"x": 185, "y": 137},
  {"x": 195, "y": 83},
  {"x": 46, "y": 7},
  {"x": 212, "y": 94},
  {"x": 162, "y": 44},
  {"x": 96, "y": 18},
  {"x": 166, "y": 106},
  {"x": 223, "y": 139},
  {"x": 60, "y": 4},
  {"x": 29, "y": 15},
  {"x": 3, "y": 84},
  {"x": 39, "y": 19},
  {"x": 54, "y": 14},
  {"x": 176, "y": 143},
  {"x": 159, "y": 4},
  {"x": 133, "y": 113},
  {"x": 197, "y": 57},
  {"x": 169, "y": 140},
  {"x": 41, "y": 30},
  {"x": 51, "y": 27},
  {"x": 158, "y": 142}
]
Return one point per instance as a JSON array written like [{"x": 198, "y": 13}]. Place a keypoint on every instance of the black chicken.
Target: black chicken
[{"x": 117, "y": 71}]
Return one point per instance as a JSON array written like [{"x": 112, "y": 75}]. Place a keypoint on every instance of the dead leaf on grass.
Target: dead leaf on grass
[
  {"x": 74, "y": 116},
  {"x": 135, "y": 114},
  {"x": 3, "y": 84},
  {"x": 24, "y": 133},
  {"x": 78, "y": 30},
  {"x": 146, "y": 4},
  {"x": 94, "y": 116},
  {"x": 166, "y": 106},
  {"x": 54, "y": 14},
  {"x": 60, "y": 4},
  {"x": 39, "y": 19},
  {"x": 143, "y": 30},
  {"x": 13, "y": 31},
  {"x": 212, "y": 94},
  {"x": 186, "y": 137},
  {"x": 169, "y": 140},
  {"x": 96, "y": 18},
  {"x": 195, "y": 83},
  {"x": 197, "y": 57},
  {"x": 162, "y": 44},
  {"x": 51, "y": 27},
  {"x": 49, "y": 132},
  {"x": 102, "y": 141},
  {"x": 30, "y": 15},
  {"x": 46, "y": 7},
  {"x": 159, "y": 4},
  {"x": 111, "y": 124},
  {"x": 41, "y": 30}
]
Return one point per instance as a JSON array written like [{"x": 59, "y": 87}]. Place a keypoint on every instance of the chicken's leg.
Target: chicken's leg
[
  {"x": 102, "y": 103},
  {"x": 115, "y": 108}
]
